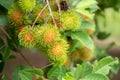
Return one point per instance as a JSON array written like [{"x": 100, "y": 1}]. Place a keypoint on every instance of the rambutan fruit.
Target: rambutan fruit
[
  {"x": 86, "y": 54},
  {"x": 20, "y": 27},
  {"x": 15, "y": 15},
  {"x": 47, "y": 34},
  {"x": 58, "y": 49},
  {"x": 26, "y": 37},
  {"x": 27, "y": 5},
  {"x": 75, "y": 55},
  {"x": 70, "y": 21},
  {"x": 67, "y": 61}
]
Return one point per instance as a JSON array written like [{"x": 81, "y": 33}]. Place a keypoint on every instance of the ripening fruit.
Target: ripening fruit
[
  {"x": 75, "y": 55},
  {"x": 86, "y": 54},
  {"x": 90, "y": 31},
  {"x": 19, "y": 28},
  {"x": 70, "y": 21},
  {"x": 27, "y": 38},
  {"x": 58, "y": 49},
  {"x": 67, "y": 62},
  {"x": 47, "y": 34},
  {"x": 27, "y": 5},
  {"x": 36, "y": 12},
  {"x": 15, "y": 15}
]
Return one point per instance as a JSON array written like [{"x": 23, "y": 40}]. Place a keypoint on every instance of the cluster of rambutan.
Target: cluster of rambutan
[{"x": 44, "y": 34}]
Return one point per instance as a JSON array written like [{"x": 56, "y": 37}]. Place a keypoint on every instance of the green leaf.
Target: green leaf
[
  {"x": 86, "y": 7},
  {"x": 86, "y": 3},
  {"x": 6, "y": 3},
  {"x": 25, "y": 75},
  {"x": 95, "y": 77},
  {"x": 83, "y": 39},
  {"x": 103, "y": 35},
  {"x": 1, "y": 43},
  {"x": 54, "y": 72},
  {"x": 37, "y": 72},
  {"x": 68, "y": 76},
  {"x": 4, "y": 77},
  {"x": 16, "y": 75},
  {"x": 3, "y": 20},
  {"x": 87, "y": 25},
  {"x": 82, "y": 70},
  {"x": 104, "y": 65},
  {"x": 6, "y": 53}
]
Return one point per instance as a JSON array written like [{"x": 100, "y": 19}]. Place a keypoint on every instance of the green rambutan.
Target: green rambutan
[
  {"x": 86, "y": 54},
  {"x": 27, "y": 38},
  {"x": 47, "y": 34},
  {"x": 20, "y": 27},
  {"x": 58, "y": 49},
  {"x": 15, "y": 15},
  {"x": 70, "y": 21},
  {"x": 27, "y": 5}
]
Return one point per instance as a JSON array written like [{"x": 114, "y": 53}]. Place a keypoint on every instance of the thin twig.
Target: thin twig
[
  {"x": 59, "y": 9},
  {"x": 26, "y": 60},
  {"x": 47, "y": 66},
  {"x": 5, "y": 32},
  {"x": 68, "y": 4},
  {"x": 39, "y": 15},
  {"x": 51, "y": 14}
]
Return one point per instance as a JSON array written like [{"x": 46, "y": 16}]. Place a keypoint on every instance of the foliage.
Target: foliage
[{"x": 62, "y": 30}]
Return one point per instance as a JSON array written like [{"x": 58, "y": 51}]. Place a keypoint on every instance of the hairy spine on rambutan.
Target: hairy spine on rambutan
[
  {"x": 27, "y": 38},
  {"x": 20, "y": 27},
  {"x": 47, "y": 34},
  {"x": 15, "y": 14},
  {"x": 70, "y": 21},
  {"x": 27, "y": 5},
  {"x": 86, "y": 54},
  {"x": 57, "y": 50}
]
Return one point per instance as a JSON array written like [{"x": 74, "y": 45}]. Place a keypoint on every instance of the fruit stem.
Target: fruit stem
[
  {"x": 51, "y": 14},
  {"x": 39, "y": 15},
  {"x": 26, "y": 60},
  {"x": 47, "y": 66},
  {"x": 59, "y": 9},
  {"x": 4, "y": 31}
]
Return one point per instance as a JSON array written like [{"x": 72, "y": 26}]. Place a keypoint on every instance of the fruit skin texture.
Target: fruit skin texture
[
  {"x": 19, "y": 28},
  {"x": 46, "y": 34},
  {"x": 57, "y": 52},
  {"x": 70, "y": 20},
  {"x": 15, "y": 15},
  {"x": 27, "y": 38},
  {"x": 86, "y": 54},
  {"x": 27, "y": 5}
]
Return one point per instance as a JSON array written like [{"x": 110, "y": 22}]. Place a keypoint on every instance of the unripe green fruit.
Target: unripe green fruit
[
  {"x": 86, "y": 54},
  {"x": 19, "y": 28},
  {"x": 27, "y": 5},
  {"x": 70, "y": 21},
  {"x": 46, "y": 34},
  {"x": 15, "y": 15},
  {"x": 57, "y": 50},
  {"x": 27, "y": 38}
]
